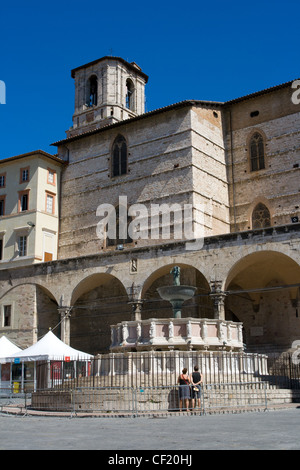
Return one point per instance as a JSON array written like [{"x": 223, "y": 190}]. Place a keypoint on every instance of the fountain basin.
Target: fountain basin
[
  {"x": 176, "y": 293},
  {"x": 177, "y": 333}
]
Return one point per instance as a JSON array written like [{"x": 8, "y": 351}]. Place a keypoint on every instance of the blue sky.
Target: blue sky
[{"x": 213, "y": 50}]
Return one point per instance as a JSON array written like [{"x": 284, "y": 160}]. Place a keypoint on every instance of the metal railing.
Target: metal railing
[
  {"x": 11, "y": 398},
  {"x": 283, "y": 371},
  {"x": 161, "y": 368},
  {"x": 154, "y": 369},
  {"x": 139, "y": 383},
  {"x": 150, "y": 400},
  {"x": 150, "y": 369},
  {"x": 246, "y": 395}
]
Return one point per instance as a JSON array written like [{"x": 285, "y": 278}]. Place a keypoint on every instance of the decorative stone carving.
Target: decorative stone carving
[{"x": 179, "y": 333}]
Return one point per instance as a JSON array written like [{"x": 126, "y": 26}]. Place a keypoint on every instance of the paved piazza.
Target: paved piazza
[{"x": 270, "y": 430}]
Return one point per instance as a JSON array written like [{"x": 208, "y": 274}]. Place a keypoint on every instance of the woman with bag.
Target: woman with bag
[
  {"x": 184, "y": 389},
  {"x": 196, "y": 382}
]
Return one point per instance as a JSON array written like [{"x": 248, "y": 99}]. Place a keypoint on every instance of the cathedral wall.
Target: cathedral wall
[
  {"x": 277, "y": 185},
  {"x": 209, "y": 171},
  {"x": 159, "y": 171}
]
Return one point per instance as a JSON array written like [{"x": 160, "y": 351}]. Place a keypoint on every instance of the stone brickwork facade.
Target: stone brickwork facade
[
  {"x": 166, "y": 165},
  {"x": 190, "y": 153},
  {"x": 236, "y": 164},
  {"x": 277, "y": 118}
]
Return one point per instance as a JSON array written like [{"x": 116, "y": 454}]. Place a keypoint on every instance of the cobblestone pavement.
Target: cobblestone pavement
[{"x": 269, "y": 430}]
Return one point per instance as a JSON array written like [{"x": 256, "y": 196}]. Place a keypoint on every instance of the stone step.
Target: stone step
[{"x": 156, "y": 399}]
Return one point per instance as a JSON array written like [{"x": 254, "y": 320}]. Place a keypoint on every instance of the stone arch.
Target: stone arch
[
  {"x": 34, "y": 309},
  {"x": 44, "y": 288},
  {"x": 263, "y": 292},
  {"x": 98, "y": 301},
  {"x": 199, "y": 306},
  {"x": 271, "y": 260},
  {"x": 90, "y": 282}
]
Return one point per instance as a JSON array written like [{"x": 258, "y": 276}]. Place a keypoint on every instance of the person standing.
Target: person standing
[
  {"x": 184, "y": 389},
  {"x": 196, "y": 381}
]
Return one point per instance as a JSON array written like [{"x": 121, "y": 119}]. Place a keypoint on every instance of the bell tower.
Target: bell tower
[{"x": 107, "y": 90}]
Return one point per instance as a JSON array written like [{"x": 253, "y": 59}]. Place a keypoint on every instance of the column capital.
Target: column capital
[
  {"x": 136, "y": 309},
  {"x": 65, "y": 315},
  {"x": 218, "y": 297},
  {"x": 215, "y": 286},
  {"x": 65, "y": 311}
]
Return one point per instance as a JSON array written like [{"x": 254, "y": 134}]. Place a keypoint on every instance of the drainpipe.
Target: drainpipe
[
  {"x": 59, "y": 188},
  {"x": 232, "y": 170}
]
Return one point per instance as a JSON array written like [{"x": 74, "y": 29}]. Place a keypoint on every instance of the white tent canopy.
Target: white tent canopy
[
  {"x": 48, "y": 348},
  {"x": 7, "y": 348}
]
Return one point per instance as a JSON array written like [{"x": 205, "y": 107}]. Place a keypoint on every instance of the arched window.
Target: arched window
[
  {"x": 257, "y": 152},
  {"x": 119, "y": 157},
  {"x": 261, "y": 216},
  {"x": 121, "y": 231},
  {"x": 129, "y": 94},
  {"x": 93, "y": 91}
]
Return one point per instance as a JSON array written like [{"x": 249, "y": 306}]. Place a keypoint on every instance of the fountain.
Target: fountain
[
  {"x": 176, "y": 294},
  {"x": 149, "y": 354},
  {"x": 179, "y": 333}
]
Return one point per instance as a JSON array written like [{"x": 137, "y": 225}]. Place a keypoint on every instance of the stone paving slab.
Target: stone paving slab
[{"x": 276, "y": 429}]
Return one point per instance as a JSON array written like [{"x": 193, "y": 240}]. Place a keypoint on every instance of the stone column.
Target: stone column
[
  {"x": 204, "y": 331},
  {"x": 138, "y": 332},
  {"x": 136, "y": 312},
  {"x": 221, "y": 333},
  {"x": 124, "y": 333},
  {"x": 218, "y": 297},
  {"x": 152, "y": 332},
  {"x": 219, "y": 305},
  {"x": 65, "y": 315},
  {"x": 171, "y": 332},
  {"x": 240, "y": 333}
]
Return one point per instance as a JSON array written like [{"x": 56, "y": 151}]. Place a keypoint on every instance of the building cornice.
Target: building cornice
[{"x": 40, "y": 153}]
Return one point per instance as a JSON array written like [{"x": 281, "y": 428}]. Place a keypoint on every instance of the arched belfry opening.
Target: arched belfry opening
[
  {"x": 129, "y": 94},
  {"x": 92, "y": 91}
]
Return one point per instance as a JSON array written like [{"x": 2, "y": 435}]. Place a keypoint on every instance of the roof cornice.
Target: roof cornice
[
  {"x": 134, "y": 67},
  {"x": 41, "y": 153},
  {"x": 181, "y": 104},
  {"x": 178, "y": 105}
]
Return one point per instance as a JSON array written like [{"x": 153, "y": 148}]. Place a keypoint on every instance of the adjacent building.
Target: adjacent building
[{"x": 29, "y": 208}]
